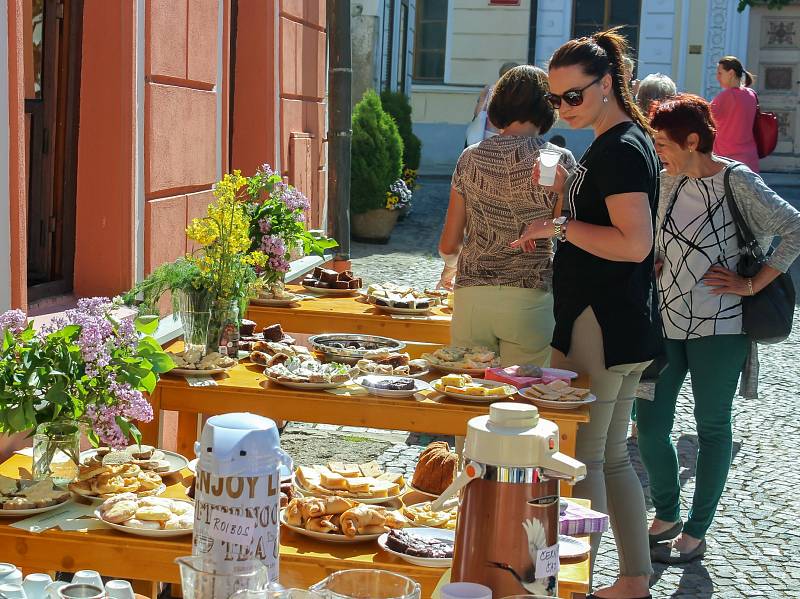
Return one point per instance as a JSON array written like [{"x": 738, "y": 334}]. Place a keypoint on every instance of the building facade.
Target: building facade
[
  {"x": 121, "y": 115},
  {"x": 461, "y": 44}
]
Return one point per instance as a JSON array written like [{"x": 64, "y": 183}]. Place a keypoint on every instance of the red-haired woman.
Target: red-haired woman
[
  {"x": 606, "y": 318},
  {"x": 734, "y": 110},
  {"x": 701, "y": 308}
]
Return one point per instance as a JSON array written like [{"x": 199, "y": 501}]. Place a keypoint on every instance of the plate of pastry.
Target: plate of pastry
[
  {"x": 466, "y": 388},
  {"x": 557, "y": 395},
  {"x": 400, "y": 299},
  {"x": 148, "y": 458},
  {"x": 392, "y": 363},
  {"x": 391, "y": 386},
  {"x": 340, "y": 520},
  {"x": 352, "y": 347},
  {"x": 147, "y": 516},
  {"x": 324, "y": 281},
  {"x": 367, "y": 483},
  {"x": 307, "y": 373},
  {"x": 27, "y": 497},
  {"x": 463, "y": 360},
  {"x": 428, "y": 547},
  {"x": 100, "y": 482},
  {"x": 193, "y": 362}
]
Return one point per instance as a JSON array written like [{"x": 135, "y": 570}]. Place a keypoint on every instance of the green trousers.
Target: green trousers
[{"x": 714, "y": 363}]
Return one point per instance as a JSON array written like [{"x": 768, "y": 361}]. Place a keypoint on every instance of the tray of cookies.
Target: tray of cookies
[
  {"x": 466, "y": 388},
  {"x": 97, "y": 482},
  {"x": 194, "y": 362},
  {"x": 148, "y": 458},
  {"x": 558, "y": 395},
  {"x": 392, "y": 363},
  {"x": 340, "y": 520},
  {"x": 27, "y": 497},
  {"x": 367, "y": 483},
  {"x": 463, "y": 360},
  {"x": 147, "y": 516}
]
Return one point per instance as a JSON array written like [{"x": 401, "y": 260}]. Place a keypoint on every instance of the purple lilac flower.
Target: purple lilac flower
[
  {"x": 14, "y": 321},
  {"x": 278, "y": 264},
  {"x": 127, "y": 335},
  {"x": 96, "y": 306},
  {"x": 273, "y": 245},
  {"x": 267, "y": 170},
  {"x": 265, "y": 225},
  {"x": 294, "y": 199},
  {"x": 300, "y": 217},
  {"x": 55, "y": 324}
]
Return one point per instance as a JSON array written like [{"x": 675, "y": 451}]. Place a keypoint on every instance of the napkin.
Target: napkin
[{"x": 62, "y": 515}]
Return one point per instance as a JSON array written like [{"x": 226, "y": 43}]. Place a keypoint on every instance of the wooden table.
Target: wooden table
[
  {"x": 246, "y": 389},
  {"x": 303, "y": 561},
  {"x": 349, "y": 315}
]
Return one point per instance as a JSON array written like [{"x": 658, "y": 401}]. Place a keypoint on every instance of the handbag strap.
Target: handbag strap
[{"x": 745, "y": 237}]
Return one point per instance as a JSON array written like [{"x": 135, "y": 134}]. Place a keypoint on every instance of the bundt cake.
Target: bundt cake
[{"x": 436, "y": 468}]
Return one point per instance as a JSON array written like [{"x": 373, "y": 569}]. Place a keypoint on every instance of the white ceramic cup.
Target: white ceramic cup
[
  {"x": 35, "y": 585},
  {"x": 81, "y": 591},
  {"x": 10, "y": 574},
  {"x": 91, "y": 577},
  {"x": 548, "y": 163},
  {"x": 465, "y": 590},
  {"x": 119, "y": 589},
  {"x": 12, "y": 591},
  {"x": 53, "y": 588}
]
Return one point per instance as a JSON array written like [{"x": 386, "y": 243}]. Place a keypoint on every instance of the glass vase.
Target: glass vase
[
  {"x": 194, "y": 310},
  {"x": 56, "y": 451}
]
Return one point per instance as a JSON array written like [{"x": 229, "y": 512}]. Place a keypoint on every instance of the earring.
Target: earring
[{"x": 605, "y": 99}]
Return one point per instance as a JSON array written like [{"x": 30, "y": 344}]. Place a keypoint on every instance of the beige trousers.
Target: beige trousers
[{"x": 611, "y": 483}]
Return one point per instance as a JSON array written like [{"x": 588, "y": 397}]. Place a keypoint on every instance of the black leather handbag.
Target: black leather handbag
[{"x": 767, "y": 315}]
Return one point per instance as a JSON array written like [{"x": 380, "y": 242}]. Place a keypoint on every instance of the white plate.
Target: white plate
[
  {"x": 145, "y": 532},
  {"x": 276, "y": 302},
  {"x": 418, "y": 386},
  {"x": 479, "y": 398},
  {"x": 410, "y": 311},
  {"x": 97, "y": 500},
  {"x": 325, "y": 536},
  {"x": 309, "y": 386},
  {"x": 572, "y": 548},
  {"x": 556, "y": 405},
  {"x": 420, "y": 491},
  {"x": 192, "y": 372},
  {"x": 286, "y": 474},
  {"x": 453, "y": 370},
  {"x": 365, "y": 500},
  {"x": 428, "y": 562},
  {"x": 331, "y": 292},
  {"x": 177, "y": 462},
  {"x": 31, "y": 511}
]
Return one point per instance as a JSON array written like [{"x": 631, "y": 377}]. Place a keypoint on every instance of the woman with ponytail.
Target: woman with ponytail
[
  {"x": 734, "y": 110},
  {"x": 607, "y": 323}
]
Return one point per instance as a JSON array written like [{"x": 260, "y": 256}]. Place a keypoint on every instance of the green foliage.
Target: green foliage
[
  {"x": 377, "y": 154},
  {"x": 181, "y": 275},
  {"x": 397, "y": 105},
  {"x": 771, "y": 4}
]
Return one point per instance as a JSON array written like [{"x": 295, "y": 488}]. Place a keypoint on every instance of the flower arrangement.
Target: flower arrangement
[
  {"x": 89, "y": 366},
  {"x": 398, "y": 196},
  {"x": 277, "y": 215},
  {"x": 410, "y": 178}
]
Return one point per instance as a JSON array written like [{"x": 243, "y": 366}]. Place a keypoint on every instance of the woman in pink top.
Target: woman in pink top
[{"x": 734, "y": 111}]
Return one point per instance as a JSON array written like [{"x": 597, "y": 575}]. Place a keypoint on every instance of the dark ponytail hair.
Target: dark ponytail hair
[
  {"x": 602, "y": 53},
  {"x": 731, "y": 63}
]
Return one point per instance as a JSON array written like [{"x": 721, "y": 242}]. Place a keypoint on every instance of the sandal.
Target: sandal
[
  {"x": 665, "y": 554},
  {"x": 667, "y": 535}
]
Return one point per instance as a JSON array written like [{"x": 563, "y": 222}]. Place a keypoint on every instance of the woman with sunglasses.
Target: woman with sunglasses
[{"x": 606, "y": 316}]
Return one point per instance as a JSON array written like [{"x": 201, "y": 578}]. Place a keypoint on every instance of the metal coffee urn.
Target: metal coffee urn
[{"x": 507, "y": 527}]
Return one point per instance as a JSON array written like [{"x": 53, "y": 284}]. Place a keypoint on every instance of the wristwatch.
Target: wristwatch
[{"x": 560, "y": 228}]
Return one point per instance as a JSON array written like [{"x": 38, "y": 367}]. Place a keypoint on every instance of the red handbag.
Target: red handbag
[{"x": 765, "y": 131}]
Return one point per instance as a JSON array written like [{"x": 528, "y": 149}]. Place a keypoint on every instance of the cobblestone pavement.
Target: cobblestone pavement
[{"x": 754, "y": 543}]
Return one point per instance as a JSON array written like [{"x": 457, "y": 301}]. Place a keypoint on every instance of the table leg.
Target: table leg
[
  {"x": 566, "y": 445},
  {"x": 187, "y": 433},
  {"x": 147, "y": 588},
  {"x": 151, "y": 431}
]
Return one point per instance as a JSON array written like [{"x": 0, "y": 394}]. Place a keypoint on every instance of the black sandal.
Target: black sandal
[{"x": 667, "y": 535}]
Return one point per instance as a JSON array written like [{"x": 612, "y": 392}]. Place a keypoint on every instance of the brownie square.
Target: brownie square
[
  {"x": 354, "y": 284},
  {"x": 273, "y": 332},
  {"x": 329, "y": 276},
  {"x": 247, "y": 327},
  {"x": 341, "y": 285}
]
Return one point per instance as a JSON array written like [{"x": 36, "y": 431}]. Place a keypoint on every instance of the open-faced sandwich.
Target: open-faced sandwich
[
  {"x": 27, "y": 494},
  {"x": 356, "y": 481},
  {"x": 306, "y": 369}
]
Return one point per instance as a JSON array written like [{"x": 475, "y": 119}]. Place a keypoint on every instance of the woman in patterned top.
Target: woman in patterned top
[
  {"x": 502, "y": 295},
  {"x": 701, "y": 309}
]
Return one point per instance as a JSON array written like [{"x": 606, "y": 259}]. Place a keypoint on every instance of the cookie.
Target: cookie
[
  {"x": 148, "y": 481},
  {"x": 153, "y": 513},
  {"x": 179, "y": 508},
  {"x": 141, "y": 452},
  {"x": 116, "y": 499},
  {"x": 120, "y": 511},
  {"x": 179, "y": 523},
  {"x": 146, "y": 524}
]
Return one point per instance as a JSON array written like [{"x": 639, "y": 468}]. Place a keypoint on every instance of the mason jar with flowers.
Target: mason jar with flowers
[{"x": 85, "y": 372}]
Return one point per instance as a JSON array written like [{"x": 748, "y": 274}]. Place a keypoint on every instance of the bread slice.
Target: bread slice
[
  {"x": 454, "y": 380},
  {"x": 361, "y": 484},
  {"x": 346, "y": 470},
  {"x": 392, "y": 477},
  {"x": 331, "y": 480},
  {"x": 307, "y": 477},
  {"x": 371, "y": 469},
  {"x": 558, "y": 385},
  {"x": 384, "y": 488}
]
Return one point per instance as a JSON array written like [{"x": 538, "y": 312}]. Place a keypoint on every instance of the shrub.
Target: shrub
[
  {"x": 376, "y": 154},
  {"x": 397, "y": 105}
]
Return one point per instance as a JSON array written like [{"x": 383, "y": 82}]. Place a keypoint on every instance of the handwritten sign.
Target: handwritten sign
[
  {"x": 547, "y": 562},
  {"x": 231, "y": 528}
]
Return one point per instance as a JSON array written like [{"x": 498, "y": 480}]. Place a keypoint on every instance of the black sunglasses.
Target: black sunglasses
[{"x": 573, "y": 97}]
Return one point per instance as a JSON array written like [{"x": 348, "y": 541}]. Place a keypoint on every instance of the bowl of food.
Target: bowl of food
[{"x": 351, "y": 347}]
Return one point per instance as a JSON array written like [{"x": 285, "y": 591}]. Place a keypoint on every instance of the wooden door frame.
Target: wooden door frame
[{"x": 63, "y": 171}]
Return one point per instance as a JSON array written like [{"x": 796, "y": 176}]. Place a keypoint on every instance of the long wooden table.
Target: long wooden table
[
  {"x": 350, "y": 315},
  {"x": 303, "y": 561},
  {"x": 246, "y": 389}
]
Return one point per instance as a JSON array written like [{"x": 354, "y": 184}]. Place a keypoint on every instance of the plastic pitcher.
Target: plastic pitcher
[
  {"x": 367, "y": 584},
  {"x": 201, "y": 581}
]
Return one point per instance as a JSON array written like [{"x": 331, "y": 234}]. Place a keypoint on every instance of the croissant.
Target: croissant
[
  {"x": 338, "y": 505},
  {"x": 320, "y": 525},
  {"x": 374, "y": 529},
  {"x": 360, "y": 517},
  {"x": 294, "y": 514},
  {"x": 312, "y": 507}
]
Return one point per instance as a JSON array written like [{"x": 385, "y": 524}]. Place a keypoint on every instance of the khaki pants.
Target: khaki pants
[
  {"x": 515, "y": 323},
  {"x": 611, "y": 483}
]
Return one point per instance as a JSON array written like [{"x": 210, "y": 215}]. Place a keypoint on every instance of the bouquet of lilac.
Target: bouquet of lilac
[
  {"x": 278, "y": 214},
  {"x": 90, "y": 366}
]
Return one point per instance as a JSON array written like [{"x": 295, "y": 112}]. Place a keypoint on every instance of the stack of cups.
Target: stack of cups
[{"x": 465, "y": 590}]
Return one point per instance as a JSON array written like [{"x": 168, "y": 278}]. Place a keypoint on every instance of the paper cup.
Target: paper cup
[
  {"x": 548, "y": 164},
  {"x": 465, "y": 590}
]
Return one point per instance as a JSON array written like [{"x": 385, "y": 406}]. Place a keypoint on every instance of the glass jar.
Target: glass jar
[
  {"x": 56, "y": 451},
  {"x": 223, "y": 330}
]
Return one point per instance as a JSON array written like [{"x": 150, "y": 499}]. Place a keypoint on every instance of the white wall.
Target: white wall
[
  {"x": 656, "y": 38},
  {"x": 726, "y": 34},
  {"x": 553, "y": 28},
  {"x": 5, "y": 216}
]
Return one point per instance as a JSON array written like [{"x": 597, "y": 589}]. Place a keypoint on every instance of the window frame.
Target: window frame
[
  {"x": 418, "y": 47},
  {"x": 634, "y": 43}
]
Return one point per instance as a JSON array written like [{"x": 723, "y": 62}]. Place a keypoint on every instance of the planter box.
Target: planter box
[{"x": 373, "y": 226}]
